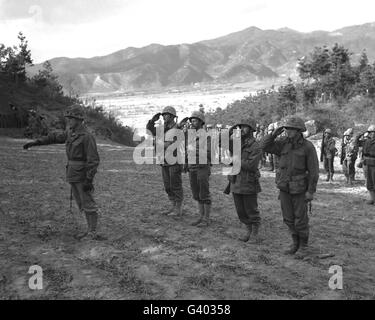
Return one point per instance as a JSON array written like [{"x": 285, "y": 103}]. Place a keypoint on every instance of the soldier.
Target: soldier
[
  {"x": 297, "y": 179},
  {"x": 348, "y": 157},
  {"x": 245, "y": 185},
  {"x": 199, "y": 173},
  {"x": 327, "y": 153},
  {"x": 368, "y": 160},
  {"x": 271, "y": 157},
  {"x": 171, "y": 172},
  {"x": 258, "y": 137},
  {"x": 83, "y": 161}
]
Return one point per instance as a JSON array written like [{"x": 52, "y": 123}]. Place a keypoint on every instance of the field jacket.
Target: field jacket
[
  {"x": 298, "y": 163},
  {"x": 81, "y": 151}
]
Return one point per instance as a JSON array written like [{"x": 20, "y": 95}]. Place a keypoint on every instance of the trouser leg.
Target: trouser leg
[
  {"x": 301, "y": 216},
  {"x": 240, "y": 208},
  {"x": 167, "y": 182},
  {"x": 251, "y": 208},
  {"x": 76, "y": 195},
  {"x": 175, "y": 174},
  {"x": 287, "y": 210}
]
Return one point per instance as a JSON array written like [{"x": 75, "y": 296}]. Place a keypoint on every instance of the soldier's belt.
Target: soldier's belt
[{"x": 76, "y": 163}]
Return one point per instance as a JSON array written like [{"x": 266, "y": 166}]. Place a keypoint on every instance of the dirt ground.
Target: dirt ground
[{"x": 151, "y": 256}]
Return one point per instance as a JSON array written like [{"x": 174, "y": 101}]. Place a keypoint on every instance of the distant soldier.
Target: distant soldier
[
  {"x": 297, "y": 179},
  {"x": 83, "y": 161},
  {"x": 199, "y": 173},
  {"x": 271, "y": 157},
  {"x": 258, "y": 137},
  {"x": 245, "y": 186},
  {"x": 172, "y": 173},
  {"x": 349, "y": 152},
  {"x": 368, "y": 160},
  {"x": 327, "y": 153}
]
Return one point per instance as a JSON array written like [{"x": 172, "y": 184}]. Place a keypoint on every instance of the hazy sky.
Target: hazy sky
[{"x": 87, "y": 28}]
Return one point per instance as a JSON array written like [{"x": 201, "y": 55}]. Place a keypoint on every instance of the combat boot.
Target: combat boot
[
  {"x": 303, "y": 247},
  {"x": 171, "y": 209},
  {"x": 294, "y": 246},
  {"x": 178, "y": 209},
  {"x": 207, "y": 212},
  {"x": 255, "y": 238},
  {"x": 372, "y": 200},
  {"x": 201, "y": 215},
  {"x": 84, "y": 234},
  {"x": 246, "y": 236}
]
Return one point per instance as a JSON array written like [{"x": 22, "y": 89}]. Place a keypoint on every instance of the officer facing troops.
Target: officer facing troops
[
  {"x": 171, "y": 173},
  {"x": 327, "y": 153},
  {"x": 297, "y": 179},
  {"x": 245, "y": 185},
  {"x": 83, "y": 161},
  {"x": 199, "y": 173},
  {"x": 368, "y": 154}
]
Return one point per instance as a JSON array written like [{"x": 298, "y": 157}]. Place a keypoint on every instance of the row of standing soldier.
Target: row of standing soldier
[{"x": 296, "y": 176}]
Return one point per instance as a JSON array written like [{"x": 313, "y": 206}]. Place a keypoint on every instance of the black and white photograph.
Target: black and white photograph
[{"x": 201, "y": 152}]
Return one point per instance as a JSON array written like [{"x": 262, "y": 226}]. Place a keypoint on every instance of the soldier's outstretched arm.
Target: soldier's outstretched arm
[{"x": 52, "y": 138}]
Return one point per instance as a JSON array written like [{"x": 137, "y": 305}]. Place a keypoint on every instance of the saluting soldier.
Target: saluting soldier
[
  {"x": 172, "y": 173},
  {"x": 297, "y": 178},
  {"x": 83, "y": 161}
]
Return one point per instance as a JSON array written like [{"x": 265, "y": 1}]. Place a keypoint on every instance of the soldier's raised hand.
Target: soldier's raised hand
[
  {"x": 278, "y": 131},
  {"x": 156, "y": 117}
]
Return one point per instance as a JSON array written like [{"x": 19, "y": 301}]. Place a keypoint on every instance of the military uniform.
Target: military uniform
[
  {"x": 327, "y": 155},
  {"x": 171, "y": 173},
  {"x": 199, "y": 173},
  {"x": 349, "y": 152},
  {"x": 298, "y": 173},
  {"x": 245, "y": 185},
  {"x": 369, "y": 161},
  {"x": 83, "y": 161}
]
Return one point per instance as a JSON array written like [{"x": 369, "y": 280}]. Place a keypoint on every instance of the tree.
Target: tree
[
  {"x": 287, "y": 99},
  {"x": 14, "y": 60},
  {"x": 47, "y": 81}
]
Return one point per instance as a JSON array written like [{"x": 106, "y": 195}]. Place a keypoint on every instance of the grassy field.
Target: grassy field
[{"x": 151, "y": 256}]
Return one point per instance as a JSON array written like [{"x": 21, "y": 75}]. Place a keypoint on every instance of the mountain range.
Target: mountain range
[{"x": 247, "y": 55}]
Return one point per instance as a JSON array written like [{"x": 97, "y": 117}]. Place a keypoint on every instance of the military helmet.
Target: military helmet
[
  {"x": 75, "y": 111},
  {"x": 371, "y": 128},
  {"x": 169, "y": 110},
  {"x": 328, "y": 131},
  {"x": 295, "y": 123},
  {"x": 247, "y": 122},
  {"x": 198, "y": 115},
  {"x": 348, "y": 132}
]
